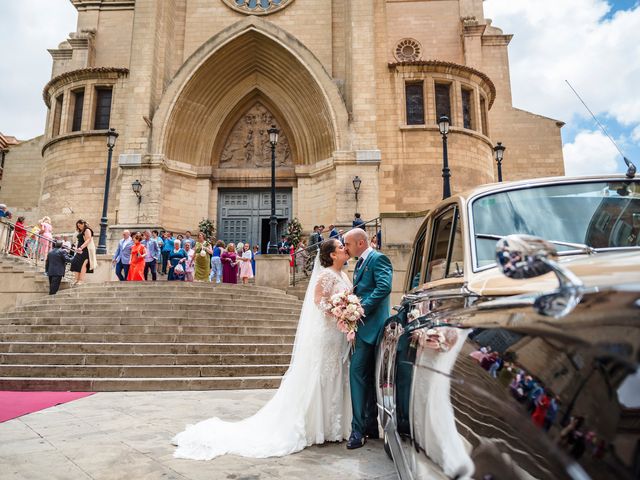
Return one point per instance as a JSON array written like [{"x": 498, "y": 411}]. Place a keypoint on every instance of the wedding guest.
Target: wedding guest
[
  {"x": 156, "y": 238},
  {"x": 246, "y": 271},
  {"x": 138, "y": 255},
  {"x": 167, "y": 246},
  {"x": 189, "y": 266},
  {"x": 46, "y": 232},
  {"x": 203, "y": 252},
  {"x": 333, "y": 233},
  {"x": 56, "y": 265},
  {"x": 216, "y": 263},
  {"x": 374, "y": 243},
  {"x": 187, "y": 239},
  {"x": 256, "y": 251},
  {"x": 340, "y": 236},
  {"x": 239, "y": 250},
  {"x": 122, "y": 256},
  {"x": 85, "y": 259},
  {"x": 151, "y": 258},
  {"x": 229, "y": 265},
  {"x": 177, "y": 257},
  {"x": 358, "y": 222},
  {"x": 18, "y": 241}
]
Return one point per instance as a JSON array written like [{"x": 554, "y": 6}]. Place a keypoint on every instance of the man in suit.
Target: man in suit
[
  {"x": 56, "y": 265},
  {"x": 333, "y": 233},
  {"x": 372, "y": 280},
  {"x": 358, "y": 222},
  {"x": 151, "y": 258},
  {"x": 122, "y": 256}
]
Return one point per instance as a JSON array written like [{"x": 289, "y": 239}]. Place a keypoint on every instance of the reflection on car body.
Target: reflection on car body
[{"x": 534, "y": 376}]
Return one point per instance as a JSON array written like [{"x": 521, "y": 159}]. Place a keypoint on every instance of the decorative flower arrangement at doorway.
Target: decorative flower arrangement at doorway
[{"x": 257, "y": 7}]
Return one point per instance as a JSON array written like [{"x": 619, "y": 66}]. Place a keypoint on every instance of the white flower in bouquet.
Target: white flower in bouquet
[
  {"x": 203, "y": 253},
  {"x": 352, "y": 308},
  {"x": 336, "y": 299},
  {"x": 353, "y": 298}
]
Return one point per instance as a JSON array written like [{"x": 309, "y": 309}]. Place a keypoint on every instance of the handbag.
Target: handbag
[{"x": 178, "y": 270}]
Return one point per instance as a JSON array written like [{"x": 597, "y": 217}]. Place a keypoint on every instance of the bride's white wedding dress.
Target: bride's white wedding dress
[{"x": 313, "y": 403}]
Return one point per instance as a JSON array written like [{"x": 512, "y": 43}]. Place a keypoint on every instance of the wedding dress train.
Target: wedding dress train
[{"x": 313, "y": 403}]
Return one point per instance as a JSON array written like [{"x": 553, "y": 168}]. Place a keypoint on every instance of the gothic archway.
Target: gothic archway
[{"x": 253, "y": 57}]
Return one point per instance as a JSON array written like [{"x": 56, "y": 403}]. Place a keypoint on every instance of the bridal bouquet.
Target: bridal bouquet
[{"x": 346, "y": 308}]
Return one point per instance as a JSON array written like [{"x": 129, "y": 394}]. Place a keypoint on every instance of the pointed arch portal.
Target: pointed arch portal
[{"x": 251, "y": 61}]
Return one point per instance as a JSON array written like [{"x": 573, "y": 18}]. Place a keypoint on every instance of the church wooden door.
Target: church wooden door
[{"x": 243, "y": 215}]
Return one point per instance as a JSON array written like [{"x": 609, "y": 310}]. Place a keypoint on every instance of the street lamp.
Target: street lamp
[
  {"x": 443, "y": 125},
  {"x": 499, "y": 151},
  {"x": 112, "y": 135},
  {"x": 356, "y": 186},
  {"x": 273, "y": 221},
  {"x": 137, "y": 189}
]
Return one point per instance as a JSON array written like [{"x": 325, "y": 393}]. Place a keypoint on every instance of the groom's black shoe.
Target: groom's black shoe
[{"x": 356, "y": 440}]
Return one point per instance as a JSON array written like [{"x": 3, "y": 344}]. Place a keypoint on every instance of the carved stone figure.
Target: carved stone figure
[{"x": 247, "y": 146}]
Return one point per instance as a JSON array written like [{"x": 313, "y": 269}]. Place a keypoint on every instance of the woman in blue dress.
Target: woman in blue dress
[{"x": 177, "y": 257}]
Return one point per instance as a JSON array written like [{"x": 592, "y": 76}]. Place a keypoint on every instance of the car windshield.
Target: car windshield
[{"x": 596, "y": 214}]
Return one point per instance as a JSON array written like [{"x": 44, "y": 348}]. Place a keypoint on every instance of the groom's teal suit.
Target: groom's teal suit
[{"x": 372, "y": 283}]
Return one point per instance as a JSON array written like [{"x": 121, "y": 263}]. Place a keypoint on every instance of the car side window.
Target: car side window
[
  {"x": 446, "y": 252},
  {"x": 416, "y": 261}
]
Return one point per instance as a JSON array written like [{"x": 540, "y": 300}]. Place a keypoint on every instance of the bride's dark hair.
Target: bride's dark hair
[{"x": 326, "y": 250}]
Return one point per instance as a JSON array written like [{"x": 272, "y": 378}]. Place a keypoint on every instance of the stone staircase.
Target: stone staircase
[{"x": 149, "y": 336}]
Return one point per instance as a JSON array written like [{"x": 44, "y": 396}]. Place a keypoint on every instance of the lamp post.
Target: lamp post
[
  {"x": 499, "y": 151},
  {"x": 273, "y": 221},
  {"x": 356, "y": 187},
  {"x": 443, "y": 125},
  {"x": 112, "y": 135}
]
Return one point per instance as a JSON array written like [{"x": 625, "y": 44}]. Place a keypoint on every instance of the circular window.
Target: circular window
[
  {"x": 257, "y": 7},
  {"x": 408, "y": 50}
]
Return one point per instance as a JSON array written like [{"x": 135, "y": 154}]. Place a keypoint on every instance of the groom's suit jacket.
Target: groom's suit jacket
[{"x": 372, "y": 283}]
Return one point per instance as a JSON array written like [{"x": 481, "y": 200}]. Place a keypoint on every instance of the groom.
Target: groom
[{"x": 372, "y": 283}]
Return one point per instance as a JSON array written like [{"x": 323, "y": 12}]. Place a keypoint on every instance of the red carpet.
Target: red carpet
[{"x": 16, "y": 404}]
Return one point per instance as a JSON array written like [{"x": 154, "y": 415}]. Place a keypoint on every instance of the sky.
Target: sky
[{"x": 594, "y": 44}]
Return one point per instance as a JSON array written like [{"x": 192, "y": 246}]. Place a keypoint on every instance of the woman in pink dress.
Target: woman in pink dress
[
  {"x": 246, "y": 270},
  {"x": 46, "y": 232},
  {"x": 229, "y": 265}
]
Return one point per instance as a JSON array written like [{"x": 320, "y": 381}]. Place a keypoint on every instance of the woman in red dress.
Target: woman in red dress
[
  {"x": 19, "y": 236},
  {"x": 138, "y": 253}
]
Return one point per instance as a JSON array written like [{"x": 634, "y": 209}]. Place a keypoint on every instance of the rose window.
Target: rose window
[
  {"x": 408, "y": 50},
  {"x": 257, "y": 7}
]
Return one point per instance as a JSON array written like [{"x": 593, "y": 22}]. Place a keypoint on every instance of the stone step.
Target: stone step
[
  {"x": 137, "y": 371},
  {"x": 143, "y": 338},
  {"x": 217, "y": 301},
  {"x": 173, "y": 286},
  {"x": 145, "y": 359},
  {"x": 137, "y": 384},
  {"x": 105, "y": 308},
  {"x": 136, "y": 318},
  {"x": 132, "y": 347},
  {"x": 249, "y": 329}
]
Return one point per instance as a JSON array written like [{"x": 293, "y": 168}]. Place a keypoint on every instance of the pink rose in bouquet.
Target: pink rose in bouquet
[{"x": 348, "y": 312}]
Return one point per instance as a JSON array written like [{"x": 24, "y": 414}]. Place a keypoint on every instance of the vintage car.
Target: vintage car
[{"x": 514, "y": 353}]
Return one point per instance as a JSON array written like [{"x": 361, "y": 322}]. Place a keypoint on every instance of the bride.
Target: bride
[{"x": 313, "y": 403}]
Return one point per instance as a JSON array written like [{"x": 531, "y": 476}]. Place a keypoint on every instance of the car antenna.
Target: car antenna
[{"x": 631, "y": 168}]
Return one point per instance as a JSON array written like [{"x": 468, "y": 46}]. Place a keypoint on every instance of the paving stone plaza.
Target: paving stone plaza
[{"x": 126, "y": 435}]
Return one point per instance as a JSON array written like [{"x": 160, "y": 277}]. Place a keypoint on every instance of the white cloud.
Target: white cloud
[
  {"x": 635, "y": 135},
  {"x": 29, "y": 28},
  {"x": 571, "y": 39},
  {"x": 590, "y": 153}
]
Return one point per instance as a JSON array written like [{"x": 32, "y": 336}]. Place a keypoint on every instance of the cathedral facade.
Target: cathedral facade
[{"x": 192, "y": 87}]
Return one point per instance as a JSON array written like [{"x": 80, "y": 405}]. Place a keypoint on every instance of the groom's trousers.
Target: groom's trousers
[{"x": 363, "y": 392}]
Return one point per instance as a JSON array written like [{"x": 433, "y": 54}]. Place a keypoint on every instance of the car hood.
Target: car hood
[{"x": 604, "y": 269}]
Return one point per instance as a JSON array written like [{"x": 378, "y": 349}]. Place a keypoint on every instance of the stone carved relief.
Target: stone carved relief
[{"x": 247, "y": 146}]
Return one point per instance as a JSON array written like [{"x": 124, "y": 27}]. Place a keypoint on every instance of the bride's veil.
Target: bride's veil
[{"x": 281, "y": 426}]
